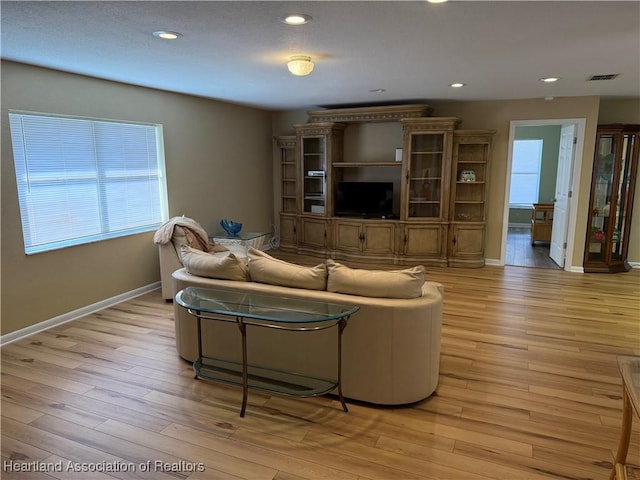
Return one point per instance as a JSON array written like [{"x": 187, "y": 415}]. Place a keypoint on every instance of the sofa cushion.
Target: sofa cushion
[
  {"x": 225, "y": 266},
  {"x": 405, "y": 283},
  {"x": 264, "y": 268}
]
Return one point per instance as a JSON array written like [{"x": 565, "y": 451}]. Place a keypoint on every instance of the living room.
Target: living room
[{"x": 222, "y": 163}]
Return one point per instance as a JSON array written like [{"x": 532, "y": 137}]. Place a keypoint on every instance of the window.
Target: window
[
  {"x": 525, "y": 172},
  {"x": 82, "y": 180}
]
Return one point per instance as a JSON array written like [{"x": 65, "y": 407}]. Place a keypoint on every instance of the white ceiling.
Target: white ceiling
[{"x": 237, "y": 50}]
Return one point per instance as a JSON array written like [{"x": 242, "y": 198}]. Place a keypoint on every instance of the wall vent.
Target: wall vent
[{"x": 606, "y": 76}]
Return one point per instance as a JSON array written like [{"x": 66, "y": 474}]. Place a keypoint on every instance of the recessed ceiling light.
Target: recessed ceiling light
[
  {"x": 377, "y": 90},
  {"x": 458, "y": 85},
  {"x": 436, "y": 1},
  {"x": 296, "y": 19},
  {"x": 165, "y": 34},
  {"x": 549, "y": 79}
]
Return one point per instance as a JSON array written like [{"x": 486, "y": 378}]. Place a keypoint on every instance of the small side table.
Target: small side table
[
  {"x": 541, "y": 222},
  {"x": 630, "y": 371},
  {"x": 259, "y": 240}
]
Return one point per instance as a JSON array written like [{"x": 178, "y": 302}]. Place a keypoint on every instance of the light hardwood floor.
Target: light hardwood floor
[{"x": 529, "y": 389}]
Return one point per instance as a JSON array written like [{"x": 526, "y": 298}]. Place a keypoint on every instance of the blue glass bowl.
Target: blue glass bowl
[{"x": 232, "y": 228}]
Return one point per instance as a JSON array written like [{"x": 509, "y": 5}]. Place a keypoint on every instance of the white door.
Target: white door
[{"x": 557, "y": 252}]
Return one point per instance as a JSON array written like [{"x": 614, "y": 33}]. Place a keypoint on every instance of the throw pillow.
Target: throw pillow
[
  {"x": 375, "y": 283},
  {"x": 203, "y": 264},
  {"x": 264, "y": 268}
]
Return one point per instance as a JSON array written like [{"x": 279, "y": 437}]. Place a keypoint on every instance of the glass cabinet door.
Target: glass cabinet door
[
  {"x": 314, "y": 173},
  {"x": 621, "y": 192},
  {"x": 425, "y": 171},
  {"x": 602, "y": 183}
]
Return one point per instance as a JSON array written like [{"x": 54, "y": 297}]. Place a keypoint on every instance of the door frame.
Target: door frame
[{"x": 576, "y": 168}]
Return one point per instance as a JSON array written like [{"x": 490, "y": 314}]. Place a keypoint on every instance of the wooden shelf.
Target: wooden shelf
[{"x": 366, "y": 164}]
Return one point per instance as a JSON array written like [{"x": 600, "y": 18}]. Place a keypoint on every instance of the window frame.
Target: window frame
[{"x": 155, "y": 175}]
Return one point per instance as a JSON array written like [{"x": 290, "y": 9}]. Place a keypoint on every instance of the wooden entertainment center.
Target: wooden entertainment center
[{"x": 439, "y": 176}]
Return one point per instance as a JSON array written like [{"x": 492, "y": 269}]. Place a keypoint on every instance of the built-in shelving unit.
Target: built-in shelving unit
[{"x": 438, "y": 218}]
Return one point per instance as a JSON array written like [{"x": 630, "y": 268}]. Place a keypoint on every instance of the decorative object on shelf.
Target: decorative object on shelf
[
  {"x": 300, "y": 65},
  {"x": 232, "y": 228},
  {"x": 467, "y": 176}
]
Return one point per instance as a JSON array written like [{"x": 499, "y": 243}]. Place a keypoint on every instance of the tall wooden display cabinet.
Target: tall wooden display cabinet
[{"x": 613, "y": 181}]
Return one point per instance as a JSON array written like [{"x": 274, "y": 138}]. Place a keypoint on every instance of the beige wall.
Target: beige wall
[
  {"x": 219, "y": 164},
  {"x": 626, "y": 111}
]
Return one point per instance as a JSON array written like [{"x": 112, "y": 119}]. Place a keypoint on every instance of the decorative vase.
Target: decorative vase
[
  {"x": 467, "y": 176},
  {"x": 232, "y": 228}
]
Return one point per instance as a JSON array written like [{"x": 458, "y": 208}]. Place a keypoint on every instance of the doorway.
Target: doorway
[{"x": 559, "y": 183}]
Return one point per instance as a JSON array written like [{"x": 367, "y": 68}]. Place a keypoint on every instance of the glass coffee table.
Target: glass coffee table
[{"x": 264, "y": 311}]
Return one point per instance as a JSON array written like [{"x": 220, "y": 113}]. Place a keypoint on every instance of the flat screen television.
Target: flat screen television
[{"x": 364, "y": 199}]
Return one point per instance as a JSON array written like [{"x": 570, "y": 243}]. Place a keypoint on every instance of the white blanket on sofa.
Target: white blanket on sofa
[{"x": 196, "y": 235}]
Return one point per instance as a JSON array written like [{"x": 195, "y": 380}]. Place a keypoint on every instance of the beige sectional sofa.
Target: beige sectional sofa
[{"x": 390, "y": 348}]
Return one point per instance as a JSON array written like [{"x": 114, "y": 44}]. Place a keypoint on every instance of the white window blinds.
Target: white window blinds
[{"x": 83, "y": 180}]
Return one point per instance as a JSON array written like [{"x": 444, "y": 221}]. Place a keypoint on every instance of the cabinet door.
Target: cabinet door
[
  {"x": 466, "y": 247},
  {"x": 314, "y": 173},
  {"x": 425, "y": 175},
  {"x": 288, "y": 234},
  {"x": 378, "y": 238},
  {"x": 312, "y": 233},
  {"x": 423, "y": 240},
  {"x": 347, "y": 236}
]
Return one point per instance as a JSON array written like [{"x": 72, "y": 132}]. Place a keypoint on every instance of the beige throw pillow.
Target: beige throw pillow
[
  {"x": 222, "y": 266},
  {"x": 264, "y": 268},
  {"x": 375, "y": 283}
]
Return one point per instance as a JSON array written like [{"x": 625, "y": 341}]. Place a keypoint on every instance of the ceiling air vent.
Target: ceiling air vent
[{"x": 607, "y": 76}]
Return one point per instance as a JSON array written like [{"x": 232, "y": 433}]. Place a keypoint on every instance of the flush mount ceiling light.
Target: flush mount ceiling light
[
  {"x": 550, "y": 79},
  {"x": 296, "y": 19},
  {"x": 167, "y": 35},
  {"x": 300, "y": 65},
  {"x": 457, "y": 85}
]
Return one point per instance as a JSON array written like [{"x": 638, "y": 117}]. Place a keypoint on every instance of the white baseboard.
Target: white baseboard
[
  {"x": 634, "y": 264},
  {"x": 492, "y": 261},
  {"x": 520, "y": 225},
  {"x": 75, "y": 314}
]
